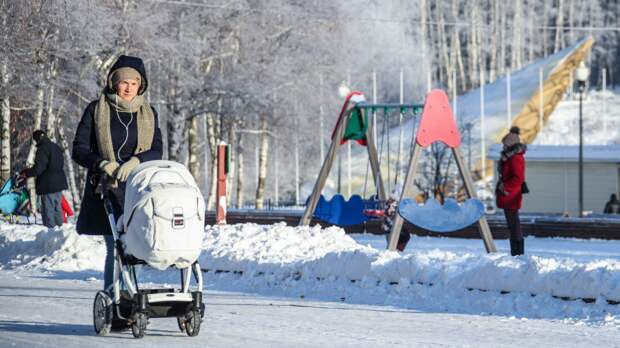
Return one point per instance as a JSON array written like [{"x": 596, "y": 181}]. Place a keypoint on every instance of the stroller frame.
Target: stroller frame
[{"x": 131, "y": 308}]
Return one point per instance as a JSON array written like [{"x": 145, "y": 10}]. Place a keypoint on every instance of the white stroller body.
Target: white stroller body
[{"x": 162, "y": 226}]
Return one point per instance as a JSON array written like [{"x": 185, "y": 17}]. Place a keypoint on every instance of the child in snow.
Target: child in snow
[{"x": 391, "y": 205}]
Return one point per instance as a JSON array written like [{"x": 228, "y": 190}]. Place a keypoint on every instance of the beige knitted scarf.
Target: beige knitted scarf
[{"x": 145, "y": 122}]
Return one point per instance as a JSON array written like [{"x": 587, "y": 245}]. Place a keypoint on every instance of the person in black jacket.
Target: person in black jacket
[
  {"x": 116, "y": 133},
  {"x": 613, "y": 206},
  {"x": 50, "y": 176}
]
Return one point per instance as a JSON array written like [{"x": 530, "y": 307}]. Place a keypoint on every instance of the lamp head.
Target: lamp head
[
  {"x": 582, "y": 73},
  {"x": 343, "y": 90}
]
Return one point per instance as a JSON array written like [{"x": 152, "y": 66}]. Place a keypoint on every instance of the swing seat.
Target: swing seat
[
  {"x": 338, "y": 211},
  {"x": 435, "y": 217}
]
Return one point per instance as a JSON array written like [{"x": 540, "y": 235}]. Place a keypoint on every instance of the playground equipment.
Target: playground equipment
[
  {"x": 352, "y": 125},
  {"x": 437, "y": 124}
]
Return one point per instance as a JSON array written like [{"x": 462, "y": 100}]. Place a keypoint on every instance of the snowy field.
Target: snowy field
[{"x": 301, "y": 286}]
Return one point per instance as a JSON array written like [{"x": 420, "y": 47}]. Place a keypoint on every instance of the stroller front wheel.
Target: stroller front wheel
[
  {"x": 192, "y": 323},
  {"x": 138, "y": 327},
  {"x": 102, "y": 313}
]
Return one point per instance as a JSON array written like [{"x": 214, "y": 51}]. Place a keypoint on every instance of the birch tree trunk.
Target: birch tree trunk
[
  {"x": 193, "y": 149},
  {"x": 212, "y": 140},
  {"x": 240, "y": 168},
  {"x": 457, "y": 48},
  {"x": 262, "y": 165},
  {"x": 447, "y": 60},
  {"x": 495, "y": 24},
  {"x": 517, "y": 42},
  {"x": 5, "y": 130},
  {"x": 232, "y": 140},
  {"x": 38, "y": 115},
  {"x": 530, "y": 26},
  {"x": 503, "y": 43},
  {"x": 50, "y": 116},
  {"x": 473, "y": 56},
  {"x": 64, "y": 144},
  {"x": 559, "y": 23},
  {"x": 425, "y": 45},
  {"x": 175, "y": 123}
]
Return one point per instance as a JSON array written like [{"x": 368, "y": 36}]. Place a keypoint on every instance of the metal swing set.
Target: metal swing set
[{"x": 436, "y": 124}]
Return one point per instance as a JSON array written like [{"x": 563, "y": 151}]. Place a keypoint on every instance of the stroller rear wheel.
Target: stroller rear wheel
[
  {"x": 192, "y": 323},
  {"x": 102, "y": 313},
  {"x": 181, "y": 323}
]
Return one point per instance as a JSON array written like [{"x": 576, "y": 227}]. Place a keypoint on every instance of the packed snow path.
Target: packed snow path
[{"x": 37, "y": 311}]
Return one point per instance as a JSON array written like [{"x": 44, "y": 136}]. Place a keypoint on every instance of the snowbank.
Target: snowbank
[
  {"x": 315, "y": 253},
  {"x": 58, "y": 249},
  {"x": 327, "y": 264}
]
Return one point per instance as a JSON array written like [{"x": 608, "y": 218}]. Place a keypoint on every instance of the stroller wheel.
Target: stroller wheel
[
  {"x": 181, "y": 322},
  {"x": 139, "y": 325},
  {"x": 102, "y": 313},
  {"x": 192, "y": 323}
]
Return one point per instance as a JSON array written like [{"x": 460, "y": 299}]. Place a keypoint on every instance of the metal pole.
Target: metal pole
[
  {"x": 349, "y": 179},
  {"x": 321, "y": 136},
  {"x": 275, "y": 155},
  {"x": 429, "y": 81},
  {"x": 374, "y": 101},
  {"x": 296, "y": 155},
  {"x": 482, "y": 142},
  {"x": 508, "y": 102},
  {"x": 604, "y": 101},
  {"x": 469, "y": 146},
  {"x": 456, "y": 119},
  {"x": 581, "y": 87},
  {"x": 399, "y": 168}
]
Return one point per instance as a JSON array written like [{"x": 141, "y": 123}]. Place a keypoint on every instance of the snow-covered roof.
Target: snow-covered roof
[{"x": 565, "y": 153}]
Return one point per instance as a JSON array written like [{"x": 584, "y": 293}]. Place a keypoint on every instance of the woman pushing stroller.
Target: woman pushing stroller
[{"x": 117, "y": 132}]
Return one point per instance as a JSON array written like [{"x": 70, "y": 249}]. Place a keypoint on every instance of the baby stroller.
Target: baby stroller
[
  {"x": 162, "y": 226},
  {"x": 14, "y": 197}
]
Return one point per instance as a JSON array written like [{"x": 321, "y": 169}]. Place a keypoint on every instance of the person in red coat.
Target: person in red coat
[
  {"x": 511, "y": 170},
  {"x": 66, "y": 208}
]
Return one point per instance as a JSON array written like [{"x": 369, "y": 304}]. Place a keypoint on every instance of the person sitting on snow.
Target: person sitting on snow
[{"x": 389, "y": 214}]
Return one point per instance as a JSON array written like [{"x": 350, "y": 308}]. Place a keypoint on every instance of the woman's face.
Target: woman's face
[{"x": 127, "y": 89}]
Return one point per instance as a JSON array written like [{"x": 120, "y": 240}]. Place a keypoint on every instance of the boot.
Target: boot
[
  {"x": 522, "y": 247},
  {"x": 516, "y": 247},
  {"x": 513, "y": 247}
]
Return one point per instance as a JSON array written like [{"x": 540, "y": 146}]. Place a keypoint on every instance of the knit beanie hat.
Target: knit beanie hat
[
  {"x": 512, "y": 138},
  {"x": 37, "y": 135},
  {"x": 122, "y": 74}
]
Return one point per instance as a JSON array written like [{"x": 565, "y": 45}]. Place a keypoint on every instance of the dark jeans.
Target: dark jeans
[
  {"x": 108, "y": 269},
  {"x": 514, "y": 225},
  {"x": 51, "y": 209},
  {"x": 117, "y": 197}
]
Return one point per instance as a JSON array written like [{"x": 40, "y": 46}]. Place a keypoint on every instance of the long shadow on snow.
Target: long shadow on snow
[{"x": 46, "y": 328}]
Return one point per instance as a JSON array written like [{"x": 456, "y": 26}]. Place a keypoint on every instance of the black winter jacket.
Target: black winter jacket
[
  {"x": 48, "y": 168},
  {"x": 92, "y": 219}
]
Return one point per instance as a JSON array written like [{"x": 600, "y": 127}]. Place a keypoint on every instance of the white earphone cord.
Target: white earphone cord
[{"x": 118, "y": 152}]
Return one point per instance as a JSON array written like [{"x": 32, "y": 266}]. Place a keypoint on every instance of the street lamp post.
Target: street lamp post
[{"x": 581, "y": 77}]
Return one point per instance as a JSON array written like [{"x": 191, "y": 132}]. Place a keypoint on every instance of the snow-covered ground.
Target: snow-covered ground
[{"x": 302, "y": 286}]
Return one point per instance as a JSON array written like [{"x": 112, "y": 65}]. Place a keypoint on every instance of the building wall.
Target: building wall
[{"x": 554, "y": 186}]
